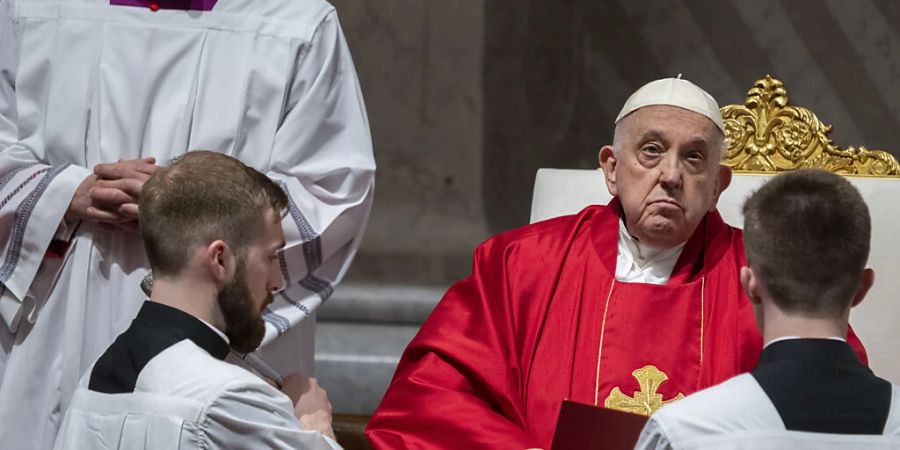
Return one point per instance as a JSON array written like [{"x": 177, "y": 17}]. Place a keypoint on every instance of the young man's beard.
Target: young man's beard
[{"x": 243, "y": 326}]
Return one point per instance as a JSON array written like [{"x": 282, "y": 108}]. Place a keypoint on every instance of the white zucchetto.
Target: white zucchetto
[{"x": 674, "y": 92}]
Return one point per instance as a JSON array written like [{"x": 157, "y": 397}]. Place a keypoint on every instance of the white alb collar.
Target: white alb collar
[{"x": 641, "y": 263}]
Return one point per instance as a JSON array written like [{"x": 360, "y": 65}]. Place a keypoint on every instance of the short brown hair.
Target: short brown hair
[
  {"x": 807, "y": 236},
  {"x": 199, "y": 198}
]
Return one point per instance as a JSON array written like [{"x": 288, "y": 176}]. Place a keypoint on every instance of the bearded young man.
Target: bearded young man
[
  {"x": 640, "y": 294},
  {"x": 212, "y": 231}
]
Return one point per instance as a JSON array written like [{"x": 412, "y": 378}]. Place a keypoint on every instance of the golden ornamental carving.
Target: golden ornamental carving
[
  {"x": 646, "y": 401},
  {"x": 765, "y": 134}
]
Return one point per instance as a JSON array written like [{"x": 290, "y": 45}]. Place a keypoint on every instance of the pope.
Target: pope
[{"x": 629, "y": 305}]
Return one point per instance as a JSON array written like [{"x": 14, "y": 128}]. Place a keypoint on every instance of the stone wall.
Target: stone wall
[{"x": 420, "y": 66}]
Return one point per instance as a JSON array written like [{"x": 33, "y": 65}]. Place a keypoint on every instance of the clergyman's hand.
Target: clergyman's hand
[
  {"x": 119, "y": 186},
  {"x": 139, "y": 169},
  {"x": 311, "y": 405},
  {"x": 118, "y": 196},
  {"x": 83, "y": 207}
]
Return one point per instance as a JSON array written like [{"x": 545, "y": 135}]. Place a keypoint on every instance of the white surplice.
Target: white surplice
[
  {"x": 638, "y": 263},
  {"x": 738, "y": 415},
  {"x": 83, "y": 82},
  {"x": 185, "y": 399}
]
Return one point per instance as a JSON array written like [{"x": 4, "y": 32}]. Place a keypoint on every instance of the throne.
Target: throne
[{"x": 765, "y": 136}]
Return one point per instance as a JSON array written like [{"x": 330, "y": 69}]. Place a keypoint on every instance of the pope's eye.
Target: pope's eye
[{"x": 695, "y": 155}]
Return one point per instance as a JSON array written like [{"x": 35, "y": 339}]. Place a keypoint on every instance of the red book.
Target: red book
[{"x": 587, "y": 427}]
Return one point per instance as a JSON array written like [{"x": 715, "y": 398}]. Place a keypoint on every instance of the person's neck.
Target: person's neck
[
  {"x": 778, "y": 324},
  {"x": 642, "y": 249},
  {"x": 190, "y": 295}
]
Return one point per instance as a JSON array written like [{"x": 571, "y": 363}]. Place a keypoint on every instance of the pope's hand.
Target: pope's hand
[{"x": 311, "y": 405}]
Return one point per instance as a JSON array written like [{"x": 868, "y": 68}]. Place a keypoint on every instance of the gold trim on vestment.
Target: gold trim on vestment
[
  {"x": 645, "y": 401},
  {"x": 702, "y": 302},
  {"x": 600, "y": 350},
  {"x": 646, "y": 376}
]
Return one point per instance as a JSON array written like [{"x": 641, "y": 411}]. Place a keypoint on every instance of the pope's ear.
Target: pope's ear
[
  {"x": 608, "y": 162},
  {"x": 724, "y": 180}
]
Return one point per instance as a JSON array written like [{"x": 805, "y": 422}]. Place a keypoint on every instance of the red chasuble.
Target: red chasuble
[{"x": 542, "y": 319}]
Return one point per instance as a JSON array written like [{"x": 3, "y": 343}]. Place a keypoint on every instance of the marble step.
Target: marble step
[
  {"x": 380, "y": 303},
  {"x": 355, "y": 361}
]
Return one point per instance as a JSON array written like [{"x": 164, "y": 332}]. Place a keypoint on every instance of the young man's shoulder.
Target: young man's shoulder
[
  {"x": 738, "y": 414},
  {"x": 186, "y": 370},
  {"x": 735, "y": 405},
  {"x": 892, "y": 427}
]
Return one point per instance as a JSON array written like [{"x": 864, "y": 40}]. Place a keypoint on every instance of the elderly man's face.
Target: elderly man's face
[{"x": 666, "y": 172}]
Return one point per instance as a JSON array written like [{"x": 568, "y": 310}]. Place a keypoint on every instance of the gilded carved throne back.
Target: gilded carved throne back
[{"x": 765, "y": 134}]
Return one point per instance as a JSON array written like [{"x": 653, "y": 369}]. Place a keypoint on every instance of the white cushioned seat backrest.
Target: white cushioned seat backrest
[{"x": 560, "y": 192}]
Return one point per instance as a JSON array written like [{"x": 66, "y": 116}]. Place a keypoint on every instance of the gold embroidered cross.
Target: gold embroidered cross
[{"x": 646, "y": 401}]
